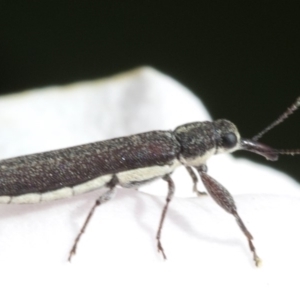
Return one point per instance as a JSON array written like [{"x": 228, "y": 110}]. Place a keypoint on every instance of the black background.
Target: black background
[{"x": 241, "y": 57}]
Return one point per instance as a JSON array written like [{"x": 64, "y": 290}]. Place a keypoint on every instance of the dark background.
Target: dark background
[{"x": 242, "y": 59}]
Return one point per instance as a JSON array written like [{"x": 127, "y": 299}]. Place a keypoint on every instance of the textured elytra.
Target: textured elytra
[{"x": 69, "y": 167}]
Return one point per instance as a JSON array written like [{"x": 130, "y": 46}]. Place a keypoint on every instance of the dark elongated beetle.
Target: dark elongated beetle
[{"x": 131, "y": 162}]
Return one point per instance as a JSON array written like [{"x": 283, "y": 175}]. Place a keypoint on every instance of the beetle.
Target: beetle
[{"x": 132, "y": 161}]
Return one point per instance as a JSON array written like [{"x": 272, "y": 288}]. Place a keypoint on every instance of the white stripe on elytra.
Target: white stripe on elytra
[
  {"x": 124, "y": 178},
  {"x": 147, "y": 173}
]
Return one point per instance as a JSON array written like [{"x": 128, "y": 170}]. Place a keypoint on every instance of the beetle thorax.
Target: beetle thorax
[{"x": 200, "y": 140}]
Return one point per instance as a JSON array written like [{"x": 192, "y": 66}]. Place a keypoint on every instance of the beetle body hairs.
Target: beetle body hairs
[{"x": 131, "y": 162}]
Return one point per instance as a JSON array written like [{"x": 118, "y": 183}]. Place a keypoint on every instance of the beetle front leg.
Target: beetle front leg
[
  {"x": 195, "y": 181},
  {"x": 220, "y": 194}
]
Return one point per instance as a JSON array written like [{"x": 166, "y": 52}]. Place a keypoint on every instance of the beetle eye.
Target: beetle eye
[{"x": 229, "y": 140}]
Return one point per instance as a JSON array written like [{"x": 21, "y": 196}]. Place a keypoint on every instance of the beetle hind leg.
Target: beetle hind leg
[
  {"x": 171, "y": 190},
  {"x": 104, "y": 197}
]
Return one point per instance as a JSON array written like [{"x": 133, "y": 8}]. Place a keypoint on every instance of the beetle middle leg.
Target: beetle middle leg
[{"x": 171, "y": 190}]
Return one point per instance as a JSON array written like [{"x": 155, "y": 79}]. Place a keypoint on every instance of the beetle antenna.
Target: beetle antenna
[
  {"x": 288, "y": 151},
  {"x": 290, "y": 110}
]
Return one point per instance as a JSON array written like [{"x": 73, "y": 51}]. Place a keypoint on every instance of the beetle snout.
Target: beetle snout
[{"x": 259, "y": 148}]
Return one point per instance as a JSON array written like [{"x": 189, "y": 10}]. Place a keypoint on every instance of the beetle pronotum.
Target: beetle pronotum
[{"x": 133, "y": 161}]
